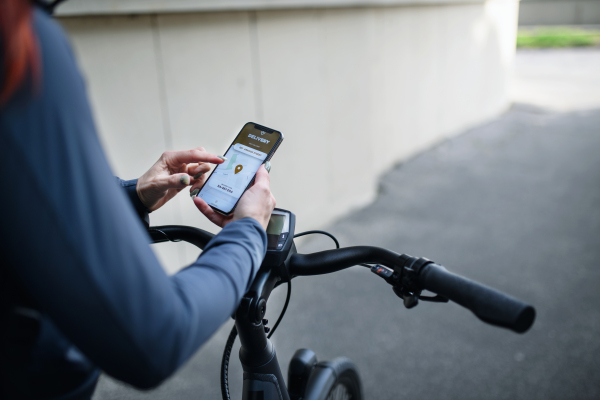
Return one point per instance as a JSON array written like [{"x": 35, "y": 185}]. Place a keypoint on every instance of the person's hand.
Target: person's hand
[
  {"x": 258, "y": 203},
  {"x": 171, "y": 173}
]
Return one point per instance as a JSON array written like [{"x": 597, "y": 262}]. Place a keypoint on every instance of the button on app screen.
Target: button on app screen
[{"x": 229, "y": 180}]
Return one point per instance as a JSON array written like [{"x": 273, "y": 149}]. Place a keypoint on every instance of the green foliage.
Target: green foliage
[{"x": 557, "y": 37}]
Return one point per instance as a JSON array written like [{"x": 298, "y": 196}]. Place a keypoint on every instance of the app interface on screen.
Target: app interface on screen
[{"x": 244, "y": 157}]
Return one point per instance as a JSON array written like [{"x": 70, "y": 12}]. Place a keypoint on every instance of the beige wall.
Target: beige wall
[{"x": 354, "y": 90}]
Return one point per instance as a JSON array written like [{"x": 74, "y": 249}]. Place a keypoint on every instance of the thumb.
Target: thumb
[{"x": 262, "y": 176}]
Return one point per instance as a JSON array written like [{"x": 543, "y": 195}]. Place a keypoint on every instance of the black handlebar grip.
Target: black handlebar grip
[{"x": 487, "y": 304}]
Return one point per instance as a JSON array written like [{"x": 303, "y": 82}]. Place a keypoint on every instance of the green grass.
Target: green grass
[{"x": 543, "y": 37}]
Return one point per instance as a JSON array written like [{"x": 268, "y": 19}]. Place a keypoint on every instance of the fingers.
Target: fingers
[
  {"x": 175, "y": 181},
  {"x": 197, "y": 170},
  {"x": 199, "y": 177},
  {"x": 195, "y": 189},
  {"x": 203, "y": 207},
  {"x": 209, "y": 213},
  {"x": 190, "y": 156}
]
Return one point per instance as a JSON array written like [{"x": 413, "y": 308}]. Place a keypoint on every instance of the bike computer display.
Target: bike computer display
[
  {"x": 278, "y": 229},
  {"x": 280, "y": 235}
]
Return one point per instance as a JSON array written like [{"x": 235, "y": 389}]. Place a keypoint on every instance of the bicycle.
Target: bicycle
[{"x": 339, "y": 378}]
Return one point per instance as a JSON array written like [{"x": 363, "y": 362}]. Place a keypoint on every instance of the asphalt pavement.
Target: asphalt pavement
[
  {"x": 514, "y": 204},
  {"x": 558, "y": 79}
]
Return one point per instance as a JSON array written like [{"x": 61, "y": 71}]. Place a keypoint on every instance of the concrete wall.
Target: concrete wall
[
  {"x": 354, "y": 90},
  {"x": 559, "y": 12}
]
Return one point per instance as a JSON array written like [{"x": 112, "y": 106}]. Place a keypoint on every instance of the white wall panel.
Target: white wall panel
[{"x": 118, "y": 57}]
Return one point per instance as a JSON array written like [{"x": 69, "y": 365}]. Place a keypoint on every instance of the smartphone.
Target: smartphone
[{"x": 254, "y": 145}]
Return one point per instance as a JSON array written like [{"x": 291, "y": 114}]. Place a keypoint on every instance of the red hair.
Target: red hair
[{"x": 19, "y": 44}]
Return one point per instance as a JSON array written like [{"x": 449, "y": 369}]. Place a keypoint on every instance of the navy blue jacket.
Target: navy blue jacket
[{"x": 80, "y": 288}]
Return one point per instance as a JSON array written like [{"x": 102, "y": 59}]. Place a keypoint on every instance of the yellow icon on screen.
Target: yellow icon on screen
[{"x": 238, "y": 168}]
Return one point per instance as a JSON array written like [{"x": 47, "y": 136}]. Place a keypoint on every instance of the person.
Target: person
[{"x": 80, "y": 289}]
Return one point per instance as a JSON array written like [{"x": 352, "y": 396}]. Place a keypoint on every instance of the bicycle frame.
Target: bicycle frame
[
  {"x": 263, "y": 379},
  {"x": 262, "y": 375}
]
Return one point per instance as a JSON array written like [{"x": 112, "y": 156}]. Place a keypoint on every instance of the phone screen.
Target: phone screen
[{"x": 229, "y": 180}]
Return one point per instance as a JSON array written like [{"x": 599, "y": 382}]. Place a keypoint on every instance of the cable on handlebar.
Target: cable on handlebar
[
  {"x": 289, "y": 282},
  {"x": 337, "y": 244}
]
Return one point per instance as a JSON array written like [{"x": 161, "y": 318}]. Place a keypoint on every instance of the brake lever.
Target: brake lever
[{"x": 410, "y": 298}]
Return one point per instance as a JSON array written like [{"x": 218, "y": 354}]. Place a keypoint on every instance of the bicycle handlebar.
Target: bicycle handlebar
[
  {"x": 325, "y": 262},
  {"x": 489, "y": 305},
  {"x": 177, "y": 233}
]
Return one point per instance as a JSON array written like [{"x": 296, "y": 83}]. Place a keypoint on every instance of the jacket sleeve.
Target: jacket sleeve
[
  {"x": 75, "y": 242},
  {"x": 140, "y": 209}
]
